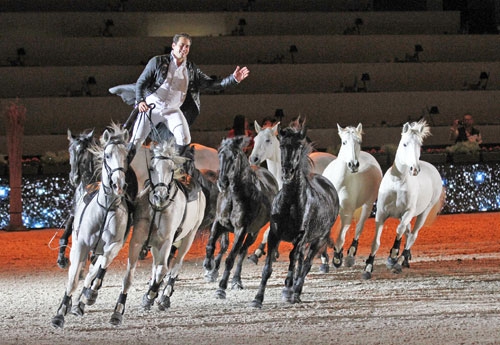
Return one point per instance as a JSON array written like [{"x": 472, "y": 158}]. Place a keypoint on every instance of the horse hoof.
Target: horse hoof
[
  {"x": 220, "y": 294},
  {"x": 349, "y": 261},
  {"x": 397, "y": 268},
  {"x": 89, "y": 296},
  {"x": 406, "y": 264},
  {"x": 286, "y": 295},
  {"x": 78, "y": 309},
  {"x": 324, "y": 268},
  {"x": 146, "y": 302},
  {"x": 237, "y": 286},
  {"x": 143, "y": 253},
  {"x": 391, "y": 262},
  {"x": 253, "y": 258},
  {"x": 296, "y": 298},
  {"x": 116, "y": 319},
  {"x": 208, "y": 264},
  {"x": 62, "y": 262},
  {"x": 367, "y": 275},
  {"x": 58, "y": 321},
  {"x": 211, "y": 276},
  {"x": 256, "y": 304},
  {"x": 164, "y": 303}
]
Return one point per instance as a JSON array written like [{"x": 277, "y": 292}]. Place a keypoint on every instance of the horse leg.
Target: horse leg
[
  {"x": 133, "y": 257},
  {"x": 379, "y": 225},
  {"x": 95, "y": 277},
  {"x": 404, "y": 260},
  {"x": 338, "y": 249},
  {"x": 77, "y": 252},
  {"x": 353, "y": 248},
  {"x": 286, "y": 293},
  {"x": 267, "y": 270},
  {"x": 324, "y": 267},
  {"x": 392, "y": 260},
  {"x": 209, "y": 262},
  {"x": 223, "y": 245},
  {"x": 239, "y": 236},
  {"x": 164, "y": 301},
  {"x": 305, "y": 266},
  {"x": 249, "y": 240},
  {"x": 175, "y": 265},
  {"x": 260, "y": 250},
  {"x": 62, "y": 260}
]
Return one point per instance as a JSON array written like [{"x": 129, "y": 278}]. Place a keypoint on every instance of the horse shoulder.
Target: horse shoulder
[{"x": 321, "y": 160}]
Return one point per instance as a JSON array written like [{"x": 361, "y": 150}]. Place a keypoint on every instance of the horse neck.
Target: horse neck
[
  {"x": 274, "y": 163},
  {"x": 398, "y": 169}
]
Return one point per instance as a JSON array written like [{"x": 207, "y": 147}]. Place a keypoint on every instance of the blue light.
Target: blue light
[
  {"x": 479, "y": 177},
  {"x": 4, "y": 192},
  {"x": 444, "y": 182}
]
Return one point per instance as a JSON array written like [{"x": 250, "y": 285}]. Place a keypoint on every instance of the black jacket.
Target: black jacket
[{"x": 153, "y": 76}]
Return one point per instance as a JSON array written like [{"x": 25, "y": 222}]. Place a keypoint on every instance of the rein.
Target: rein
[{"x": 170, "y": 199}]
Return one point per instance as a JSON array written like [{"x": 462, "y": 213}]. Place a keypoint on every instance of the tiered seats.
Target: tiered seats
[{"x": 318, "y": 81}]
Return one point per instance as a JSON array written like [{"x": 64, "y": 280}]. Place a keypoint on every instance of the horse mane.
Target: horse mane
[
  {"x": 420, "y": 129},
  {"x": 116, "y": 132},
  {"x": 295, "y": 134},
  {"x": 358, "y": 135},
  {"x": 167, "y": 148}
]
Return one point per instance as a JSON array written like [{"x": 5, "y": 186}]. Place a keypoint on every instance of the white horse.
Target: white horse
[
  {"x": 356, "y": 176},
  {"x": 204, "y": 158},
  {"x": 166, "y": 218},
  {"x": 267, "y": 148},
  {"x": 100, "y": 224},
  {"x": 410, "y": 188}
]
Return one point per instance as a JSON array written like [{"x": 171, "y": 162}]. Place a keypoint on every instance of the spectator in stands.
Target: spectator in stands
[
  {"x": 241, "y": 128},
  {"x": 465, "y": 131},
  {"x": 267, "y": 122},
  {"x": 172, "y": 84}
]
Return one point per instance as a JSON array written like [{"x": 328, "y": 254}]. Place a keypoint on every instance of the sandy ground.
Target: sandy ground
[{"x": 450, "y": 295}]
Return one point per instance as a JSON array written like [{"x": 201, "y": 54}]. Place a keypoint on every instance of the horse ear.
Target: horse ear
[
  {"x": 406, "y": 127},
  {"x": 275, "y": 128},
  {"x": 90, "y": 134},
  {"x": 126, "y": 136},
  {"x": 339, "y": 128},
  {"x": 303, "y": 132},
  {"x": 106, "y": 136},
  {"x": 359, "y": 128},
  {"x": 70, "y": 136},
  {"x": 257, "y": 126}
]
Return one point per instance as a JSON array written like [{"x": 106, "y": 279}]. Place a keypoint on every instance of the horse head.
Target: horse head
[
  {"x": 163, "y": 169},
  {"x": 231, "y": 160},
  {"x": 408, "y": 153},
  {"x": 114, "y": 159},
  {"x": 266, "y": 144},
  {"x": 294, "y": 153},
  {"x": 81, "y": 159},
  {"x": 350, "y": 139}
]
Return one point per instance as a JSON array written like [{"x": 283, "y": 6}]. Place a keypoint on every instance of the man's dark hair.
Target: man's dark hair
[{"x": 183, "y": 34}]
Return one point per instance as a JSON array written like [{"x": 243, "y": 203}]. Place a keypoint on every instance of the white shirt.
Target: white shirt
[{"x": 172, "y": 93}]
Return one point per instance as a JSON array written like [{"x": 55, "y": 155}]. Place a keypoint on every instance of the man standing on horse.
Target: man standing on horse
[{"x": 168, "y": 91}]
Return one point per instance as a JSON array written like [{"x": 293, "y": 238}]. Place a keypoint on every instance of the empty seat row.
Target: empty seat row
[
  {"x": 153, "y": 24},
  {"x": 231, "y": 50},
  {"x": 73, "y": 81}
]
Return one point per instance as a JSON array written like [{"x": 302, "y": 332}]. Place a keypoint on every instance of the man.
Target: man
[
  {"x": 168, "y": 91},
  {"x": 465, "y": 131}
]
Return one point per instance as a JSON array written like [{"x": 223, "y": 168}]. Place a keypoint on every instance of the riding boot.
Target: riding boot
[
  {"x": 181, "y": 149},
  {"x": 131, "y": 152}
]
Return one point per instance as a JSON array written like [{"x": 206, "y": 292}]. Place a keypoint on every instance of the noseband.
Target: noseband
[
  {"x": 160, "y": 185},
  {"x": 110, "y": 172}
]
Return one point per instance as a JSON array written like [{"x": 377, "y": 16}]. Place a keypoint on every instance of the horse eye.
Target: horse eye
[
  {"x": 344, "y": 142},
  {"x": 405, "y": 145}
]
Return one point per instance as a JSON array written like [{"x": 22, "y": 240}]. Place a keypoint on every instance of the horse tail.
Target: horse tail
[{"x": 436, "y": 208}]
